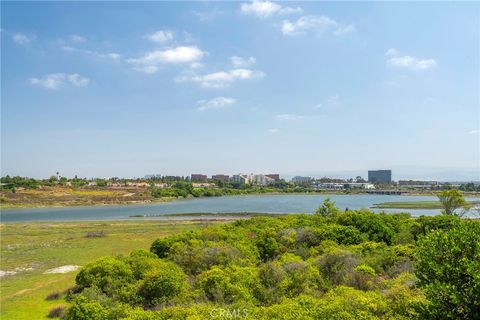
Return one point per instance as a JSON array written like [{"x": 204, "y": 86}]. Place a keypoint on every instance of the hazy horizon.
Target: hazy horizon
[{"x": 121, "y": 89}]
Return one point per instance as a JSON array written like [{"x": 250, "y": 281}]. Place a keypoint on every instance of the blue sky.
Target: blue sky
[{"x": 127, "y": 89}]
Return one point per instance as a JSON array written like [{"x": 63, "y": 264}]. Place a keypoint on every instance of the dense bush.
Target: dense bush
[
  {"x": 332, "y": 265},
  {"x": 108, "y": 274},
  {"x": 447, "y": 265},
  {"x": 160, "y": 286}
]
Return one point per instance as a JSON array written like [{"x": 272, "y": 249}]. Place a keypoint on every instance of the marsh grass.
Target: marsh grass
[{"x": 50, "y": 245}]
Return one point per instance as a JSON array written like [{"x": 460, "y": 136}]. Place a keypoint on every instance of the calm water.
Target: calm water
[{"x": 255, "y": 203}]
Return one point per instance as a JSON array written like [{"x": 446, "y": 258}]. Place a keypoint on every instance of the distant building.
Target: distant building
[
  {"x": 255, "y": 179},
  {"x": 330, "y": 185},
  {"x": 274, "y": 176},
  {"x": 221, "y": 177},
  {"x": 303, "y": 180},
  {"x": 240, "y": 178},
  {"x": 358, "y": 185},
  {"x": 414, "y": 184},
  {"x": 172, "y": 178},
  {"x": 380, "y": 176},
  {"x": 346, "y": 185},
  {"x": 198, "y": 177},
  {"x": 261, "y": 180}
]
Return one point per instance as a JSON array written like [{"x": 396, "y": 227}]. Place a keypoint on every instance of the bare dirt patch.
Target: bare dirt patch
[{"x": 63, "y": 269}]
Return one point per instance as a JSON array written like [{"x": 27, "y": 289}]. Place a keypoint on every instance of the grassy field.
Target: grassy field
[
  {"x": 34, "y": 248},
  {"x": 414, "y": 205}
]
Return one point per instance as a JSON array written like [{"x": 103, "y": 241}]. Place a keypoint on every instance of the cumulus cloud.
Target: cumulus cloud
[
  {"x": 289, "y": 117},
  {"x": 110, "y": 55},
  {"x": 394, "y": 59},
  {"x": 264, "y": 9},
  {"x": 308, "y": 23},
  {"x": 196, "y": 65},
  {"x": 239, "y": 62},
  {"x": 77, "y": 80},
  {"x": 222, "y": 79},
  {"x": 160, "y": 36},
  {"x": 215, "y": 103},
  {"x": 179, "y": 55},
  {"x": 56, "y": 80},
  {"x": 473, "y": 132},
  {"x": 22, "y": 39}
]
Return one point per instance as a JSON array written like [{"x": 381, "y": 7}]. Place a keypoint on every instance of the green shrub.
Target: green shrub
[
  {"x": 447, "y": 264},
  {"x": 142, "y": 262},
  {"x": 163, "y": 284},
  {"x": 378, "y": 227},
  {"x": 337, "y": 266},
  {"x": 108, "y": 274},
  {"x": 216, "y": 285},
  {"x": 84, "y": 309}
]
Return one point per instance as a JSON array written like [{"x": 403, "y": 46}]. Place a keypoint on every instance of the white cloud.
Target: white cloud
[
  {"x": 77, "y": 80},
  {"x": 239, "y": 62},
  {"x": 473, "y": 132},
  {"x": 51, "y": 81},
  {"x": 114, "y": 56},
  {"x": 161, "y": 36},
  {"x": 409, "y": 62},
  {"x": 391, "y": 52},
  {"x": 77, "y": 39},
  {"x": 264, "y": 9},
  {"x": 343, "y": 30},
  {"x": 222, "y": 79},
  {"x": 273, "y": 131},
  {"x": 147, "y": 69},
  {"x": 308, "y": 23},
  {"x": 111, "y": 55},
  {"x": 22, "y": 39},
  {"x": 56, "y": 80},
  {"x": 196, "y": 65},
  {"x": 215, "y": 103},
  {"x": 288, "y": 117},
  {"x": 178, "y": 55}
]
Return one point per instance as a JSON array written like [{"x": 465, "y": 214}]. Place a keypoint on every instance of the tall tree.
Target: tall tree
[{"x": 452, "y": 200}]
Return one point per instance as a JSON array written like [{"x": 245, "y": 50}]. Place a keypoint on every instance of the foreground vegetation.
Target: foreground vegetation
[
  {"x": 332, "y": 265},
  {"x": 32, "y": 249}
]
